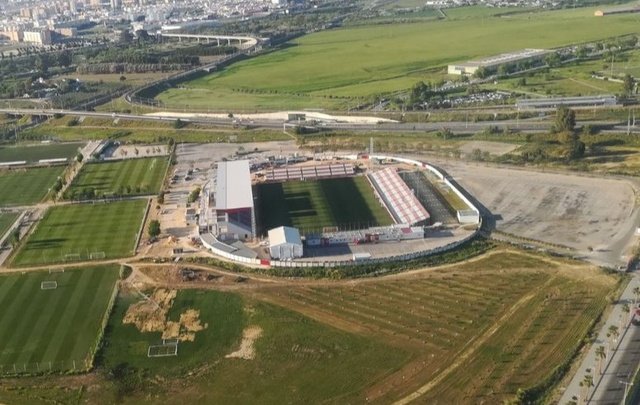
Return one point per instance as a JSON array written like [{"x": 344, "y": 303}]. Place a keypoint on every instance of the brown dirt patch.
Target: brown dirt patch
[
  {"x": 150, "y": 315},
  {"x": 247, "y": 351}
]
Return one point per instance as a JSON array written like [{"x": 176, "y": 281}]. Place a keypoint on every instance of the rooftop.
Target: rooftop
[
  {"x": 284, "y": 234},
  {"x": 233, "y": 186}
]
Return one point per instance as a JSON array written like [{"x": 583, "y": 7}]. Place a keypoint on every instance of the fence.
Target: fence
[{"x": 45, "y": 367}]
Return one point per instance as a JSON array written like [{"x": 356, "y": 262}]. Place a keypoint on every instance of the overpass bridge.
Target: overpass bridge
[{"x": 243, "y": 42}]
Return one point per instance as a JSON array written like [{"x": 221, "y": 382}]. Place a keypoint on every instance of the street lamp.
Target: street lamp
[{"x": 626, "y": 390}]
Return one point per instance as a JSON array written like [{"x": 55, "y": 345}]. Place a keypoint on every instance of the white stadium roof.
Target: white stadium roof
[{"x": 233, "y": 187}]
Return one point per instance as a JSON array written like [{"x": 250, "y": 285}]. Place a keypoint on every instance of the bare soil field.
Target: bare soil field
[{"x": 576, "y": 211}]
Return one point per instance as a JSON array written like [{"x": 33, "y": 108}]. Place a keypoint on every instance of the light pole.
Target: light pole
[{"x": 626, "y": 390}]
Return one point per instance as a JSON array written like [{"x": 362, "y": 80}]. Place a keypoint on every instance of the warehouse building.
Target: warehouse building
[
  {"x": 227, "y": 209},
  {"x": 285, "y": 243},
  {"x": 494, "y": 62}
]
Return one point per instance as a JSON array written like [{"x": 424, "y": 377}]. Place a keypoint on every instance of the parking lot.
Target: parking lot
[{"x": 595, "y": 216}]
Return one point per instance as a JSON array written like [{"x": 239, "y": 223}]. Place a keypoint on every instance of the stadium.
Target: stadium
[{"x": 345, "y": 210}]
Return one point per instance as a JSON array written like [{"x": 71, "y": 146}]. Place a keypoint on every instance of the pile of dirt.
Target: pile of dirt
[
  {"x": 150, "y": 315},
  {"x": 185, "y": 329},
  {"x": 247, "y": 351}
]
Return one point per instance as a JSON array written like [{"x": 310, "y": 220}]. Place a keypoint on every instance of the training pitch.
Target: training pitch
[
  {"x": 83, "y": 232},
  {"x": 124, "y": 177},
  {"x": 348, "y": 203},
  {"x": 34, "y": 153},
  {"x": 56, "y": 329},
  {"x": 27, "y": 186}
]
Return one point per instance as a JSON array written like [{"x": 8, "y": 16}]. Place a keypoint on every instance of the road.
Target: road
[
  {"x": 621, "y": 361},
  {"x": 528, "y": 125}
]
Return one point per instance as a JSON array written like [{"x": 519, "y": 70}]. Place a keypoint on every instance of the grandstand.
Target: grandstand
[
  {"x": 227, "y": 209},
  {"x": 426, "y": 193},
  {"x": 310, "y": 172},
  {"x": 399, "y": 199}
]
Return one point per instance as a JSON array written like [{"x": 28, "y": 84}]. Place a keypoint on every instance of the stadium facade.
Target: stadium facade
[{"x": 227, "y": 207}]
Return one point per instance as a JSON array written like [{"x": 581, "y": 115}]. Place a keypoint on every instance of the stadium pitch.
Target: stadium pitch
[
  {"x": 53, "y": 329},
  {"x": 124, "y": 177},
  {"x": 83, "y": 232},
  {"x": 347, "y": 203}
]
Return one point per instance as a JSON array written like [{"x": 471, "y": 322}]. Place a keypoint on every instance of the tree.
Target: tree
[
  {"x": 628, "y": 84},
  {"x": 588, "y": 382},
  {"x": 177, "y": 124},
  {"x": 161, "y": 197},
  {"x": 125, "y": 37},
  {"x": 601, "y": 354},
  {"x": 79, "y": 157},
  {"x": 64, "y": 58},
  {"x": 194, "y": 195},
  {"x": 481, "y": 73},
  {"x": 626, "y": 309},
  {"x": 552, "y": 59},
  {"x": 42, "y": 63},
  {"x": 565, "y": 119},
  {"x": 14, "y": 239},
  {"x": 154, "y": 228},
  {"x": 123, "y": 78}
]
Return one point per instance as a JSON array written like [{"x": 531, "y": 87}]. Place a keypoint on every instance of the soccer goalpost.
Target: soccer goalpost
[
  {"x": 169, "y": 347},
  {"x": 48, "y": 285},
  {"x": 97, "y": 255},
  {"x": 70, "y": 257}
]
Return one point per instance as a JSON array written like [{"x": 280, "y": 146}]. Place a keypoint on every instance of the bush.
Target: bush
[{"x": 154, "y": 228}]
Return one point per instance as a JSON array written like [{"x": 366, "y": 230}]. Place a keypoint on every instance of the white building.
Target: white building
[
  {"x": 493, "y": 62},
  {"x": 227, "y": 209},
  {"x": 285, "y": 243},
  {"x": 37, "y": 37}
]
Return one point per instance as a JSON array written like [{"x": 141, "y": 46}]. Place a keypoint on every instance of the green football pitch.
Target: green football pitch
[
  {"x": 83, "y": 232},
  {"x": 348, "y": 203},
  {"x": 27, "y": 186},
  {"x": 56, "y": 329},
  {"x": 33, "y": 153},
  {"x": 123, "y": 177}
]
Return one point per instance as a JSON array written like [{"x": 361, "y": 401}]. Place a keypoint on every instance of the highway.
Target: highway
[{"x": 458, "y": 127}]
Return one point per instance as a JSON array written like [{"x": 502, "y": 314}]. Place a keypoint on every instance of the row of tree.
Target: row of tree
[{"x": 106, "y": 68}]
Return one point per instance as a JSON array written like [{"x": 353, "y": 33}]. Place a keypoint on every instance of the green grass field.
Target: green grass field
[
  {"x": 541, "y": 311},
  {"x": 81, "y": 230},
  {"x": 6, "y": 220},
  {"x": 383, "y": 59},
  {"x": 33, "y": 153},
  {"x": 348, "y": 203},
  {"x": 123, "y": 177},
  {"x": 27, "y": 186},
  {"x": 296, "y": 358},
  {"x": 43, "y": 330}
]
